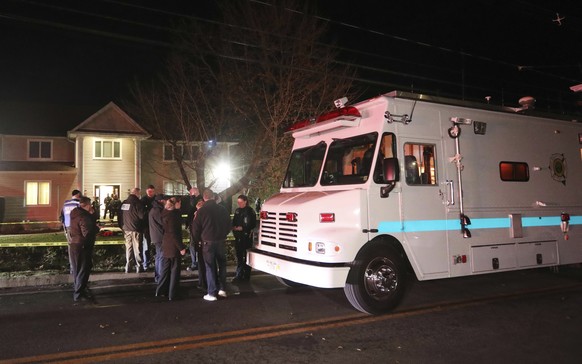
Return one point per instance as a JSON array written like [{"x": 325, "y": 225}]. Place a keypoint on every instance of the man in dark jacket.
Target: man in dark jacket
[
  {"x": 83, "y": 231},
  {"x": 65, "y": 217},
  {"x": 243, "y": 223},
  {"x": 172, "y": 249},
  {"x": 195, "y": 196},
  {"x": 156, "y": 228},
  {"x": 130, "y": 221},
  {"x": 211, "y": 226},
  {"x": 147, "y": 200}
]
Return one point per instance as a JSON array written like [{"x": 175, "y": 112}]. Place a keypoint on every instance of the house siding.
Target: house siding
[
  {"x": 120, "y": 172},
  {"x": 13, "y": 195},
  {"x": 15, "y": 148},
  {"x": 72, "y": 165}
]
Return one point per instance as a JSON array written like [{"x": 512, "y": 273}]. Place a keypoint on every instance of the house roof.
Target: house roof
[
  {"x": 10, "y": 166},
  {"x": 110, "y": 120}
]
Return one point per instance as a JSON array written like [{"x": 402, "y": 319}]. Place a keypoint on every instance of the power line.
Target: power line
[{"x": 148, "y": 41}]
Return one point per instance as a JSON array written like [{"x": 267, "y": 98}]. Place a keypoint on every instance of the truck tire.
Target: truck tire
[
  {"x": 376, "y": 282},
  {"x": 289, "y": 283}
]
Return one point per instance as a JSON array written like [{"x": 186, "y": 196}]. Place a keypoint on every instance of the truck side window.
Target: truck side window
[
  {"x": 420, "y": 164},
  {"x": 387, "y": 150}
]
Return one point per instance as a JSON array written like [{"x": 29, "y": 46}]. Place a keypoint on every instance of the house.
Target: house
[
  {"x": 36, "y": 174},
  {"x": 109, "y": 153}
]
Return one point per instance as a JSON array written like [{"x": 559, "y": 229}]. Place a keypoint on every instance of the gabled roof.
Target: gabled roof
[{"x": 110, "y": 120}]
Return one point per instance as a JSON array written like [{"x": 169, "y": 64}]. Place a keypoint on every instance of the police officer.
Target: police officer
[
  {"x": 130, "y": 220},
  {"x": 83, "y": 230},
  {"x": 243, "y": 223}
]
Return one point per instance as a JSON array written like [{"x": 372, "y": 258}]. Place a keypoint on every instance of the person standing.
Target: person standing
[
  {"x": 197, "y": 244},
  {"x": 96, "y": 206},
  {"x": 147, "y": 201},
  {"x": 107, "y": 204},
  {"x": 243, "y": 223},
  {"x": 211, "y": 226},
  {"x": 83, "y": 231},
  {"x": 172, "y": 249},
  {"x": 114, "y": 207},
  {"x": 130, "y": 220},
  {"x": 195, "y": 197},
  {"x": 156, "y": 228},
  {"x": 65, "y": 218}
]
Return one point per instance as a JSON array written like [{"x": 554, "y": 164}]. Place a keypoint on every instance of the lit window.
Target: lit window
[
  {"x": 38, "y": 193},
  {"x": 40, "y": 149},
  {"x": 107, "y": 149},
  {"x": 175, "y": 188},
  {"x": 514, "y": 171}
]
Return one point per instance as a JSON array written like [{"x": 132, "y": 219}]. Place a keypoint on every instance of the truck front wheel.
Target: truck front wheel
[{"x": 376, "y": 282}]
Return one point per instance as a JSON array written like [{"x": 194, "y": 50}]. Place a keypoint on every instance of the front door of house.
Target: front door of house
[{"x": 105, "y": 193}]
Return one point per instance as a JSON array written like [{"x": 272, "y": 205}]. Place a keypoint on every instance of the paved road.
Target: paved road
[{"x": 531, "y": 316}]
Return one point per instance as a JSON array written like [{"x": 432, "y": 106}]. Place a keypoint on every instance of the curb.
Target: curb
[{"x": 61, "y": 279}]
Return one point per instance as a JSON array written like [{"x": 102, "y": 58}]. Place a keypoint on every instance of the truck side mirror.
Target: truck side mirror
[{"x": 391, "y": 170}]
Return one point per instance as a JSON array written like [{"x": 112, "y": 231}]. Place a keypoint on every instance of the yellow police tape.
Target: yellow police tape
[
  {"x": 55, "y": 243},
  {"x": 30, "y": 222},
  {"x": 64, "y": 243}
]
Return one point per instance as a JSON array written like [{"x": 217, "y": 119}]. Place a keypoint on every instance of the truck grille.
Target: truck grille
[{"x": 276, "y": 231}]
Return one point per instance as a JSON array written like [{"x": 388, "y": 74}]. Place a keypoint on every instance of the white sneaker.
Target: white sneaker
[
  {"x": 222, "y": 293},
  {"x": 210, "y": 298}
]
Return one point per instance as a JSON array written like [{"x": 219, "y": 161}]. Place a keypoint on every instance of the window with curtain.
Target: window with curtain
[{"x": 37, "y": 193}]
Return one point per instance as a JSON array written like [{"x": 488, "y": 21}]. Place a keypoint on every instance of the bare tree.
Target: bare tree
[{"x": 246, "y": 77}]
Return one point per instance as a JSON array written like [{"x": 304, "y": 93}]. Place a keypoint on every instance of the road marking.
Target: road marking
[{"x": 266, "y": 332}]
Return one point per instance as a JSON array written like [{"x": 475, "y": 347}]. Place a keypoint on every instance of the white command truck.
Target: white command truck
[{"x": 406, "y": 181}]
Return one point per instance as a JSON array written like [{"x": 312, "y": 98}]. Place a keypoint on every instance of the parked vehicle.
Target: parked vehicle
[{"x": 443, "y": 187}]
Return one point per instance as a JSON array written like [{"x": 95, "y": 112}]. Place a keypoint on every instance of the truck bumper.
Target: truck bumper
[{"x": 299, "y": 271}]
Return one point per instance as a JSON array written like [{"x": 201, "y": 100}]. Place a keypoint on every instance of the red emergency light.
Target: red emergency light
[
  {"x": 327, "y": 217},
  {"x": 291, "y": 217},
  {"x": 264, "y": 215},
  {"x": 348, "y": 111}
]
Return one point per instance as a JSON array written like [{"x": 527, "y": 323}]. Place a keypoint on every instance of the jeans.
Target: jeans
[
  {"x": 146, "y": 249},
  {"x": 158, "y": 262},
  {"x": 214, "y": 253},
  {"x": 194, "y": 264}
]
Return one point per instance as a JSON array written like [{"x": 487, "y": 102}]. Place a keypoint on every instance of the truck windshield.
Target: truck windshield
[
  {"x": 349, "y": 160},
  {"x": 304, "y": 166}
]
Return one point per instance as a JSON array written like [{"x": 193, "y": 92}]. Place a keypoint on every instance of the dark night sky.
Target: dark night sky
[{"x": 59, "y": 63}]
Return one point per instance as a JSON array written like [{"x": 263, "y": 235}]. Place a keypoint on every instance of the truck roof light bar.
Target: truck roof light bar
[{"x": 348, "y": 112}]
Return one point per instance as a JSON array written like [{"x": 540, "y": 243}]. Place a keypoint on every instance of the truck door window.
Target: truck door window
[
  {"x": 349, "y": 160},
  {"x": 420, "y": 164},
  {"x": 387, "y": 150},
  {"x": 304, "y": 166}
]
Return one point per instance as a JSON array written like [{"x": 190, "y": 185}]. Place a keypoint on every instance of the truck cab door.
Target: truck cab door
[{"x": 415, "y": 210}]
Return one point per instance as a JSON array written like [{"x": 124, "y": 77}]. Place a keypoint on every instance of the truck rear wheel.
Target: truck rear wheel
[{"x": 376, "y": 282}]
